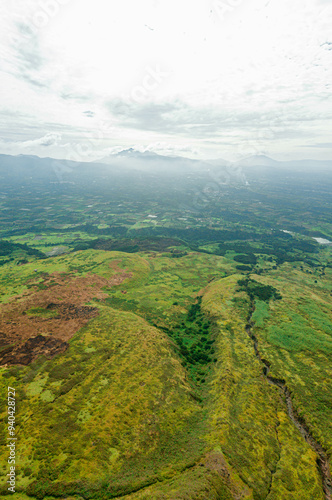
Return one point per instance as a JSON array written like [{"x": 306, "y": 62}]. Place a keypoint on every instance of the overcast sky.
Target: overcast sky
[{"x": 81, "y": 79}]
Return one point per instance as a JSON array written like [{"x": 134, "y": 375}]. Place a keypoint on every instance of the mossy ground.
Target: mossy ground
[
  {"x": 124, "y": 413},
  {"x": 249, "y": 419},
  {"x": 295, "y": 336}
]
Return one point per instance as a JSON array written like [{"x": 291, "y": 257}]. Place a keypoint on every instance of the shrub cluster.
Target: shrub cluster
[{"x": 258, "y": 290}]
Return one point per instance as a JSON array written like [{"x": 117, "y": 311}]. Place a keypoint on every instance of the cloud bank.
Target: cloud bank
[{"x": 107, "y": 75}]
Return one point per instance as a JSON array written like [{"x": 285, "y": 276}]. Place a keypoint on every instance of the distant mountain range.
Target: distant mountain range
[
  {"x": 24, "y": 167},
  {"x": 132, "y": 158},
  {"x": 148, "y": 161},
  {"x": 265, "y": 161},
  {"x": 258, "y": 161}
]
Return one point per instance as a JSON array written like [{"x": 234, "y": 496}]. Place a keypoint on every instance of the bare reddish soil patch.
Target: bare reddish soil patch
[
  {"x": 25, "y": 336},
  {"x": 25, "y": 352}
]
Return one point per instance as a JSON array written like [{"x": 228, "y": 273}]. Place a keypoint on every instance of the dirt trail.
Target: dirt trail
[{"x": 322, "y": 457}]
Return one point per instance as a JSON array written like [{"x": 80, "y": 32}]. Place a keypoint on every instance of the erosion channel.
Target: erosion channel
[{"x": 322, "y": 458}]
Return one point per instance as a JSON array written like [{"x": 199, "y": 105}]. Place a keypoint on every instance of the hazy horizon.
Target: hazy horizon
[{"x": 262, "y": 159}]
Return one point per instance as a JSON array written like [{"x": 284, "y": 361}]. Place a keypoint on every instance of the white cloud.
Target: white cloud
[
  {"x": 170, "y": 149},
  {"x": 167, "y": 73},
  {"x": 46, "y": 141},
  {"x": 48, "y": 144}
]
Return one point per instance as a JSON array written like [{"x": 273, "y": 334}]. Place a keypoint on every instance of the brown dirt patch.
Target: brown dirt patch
[
  {"x": 25, "y": 336},
  {"x": 217, "y": 465},
  {"x": 25, "y": 352}
]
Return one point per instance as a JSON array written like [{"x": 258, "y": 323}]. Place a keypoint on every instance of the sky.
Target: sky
[{"x": 82, "y": 79}]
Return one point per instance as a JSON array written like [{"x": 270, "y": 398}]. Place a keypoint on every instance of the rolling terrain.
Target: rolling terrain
[{"x": 167, "y": 340}]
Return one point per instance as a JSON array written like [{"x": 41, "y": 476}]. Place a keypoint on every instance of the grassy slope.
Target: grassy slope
[
  {"x": 171, "y": 286},
  {"x": 119, "y": 410},
  {"x": 295, "y": 335},
  {"x": 116, "y": 395},
  {"x": 249, "y": 420},
  {"x": 16, "y": 280}
]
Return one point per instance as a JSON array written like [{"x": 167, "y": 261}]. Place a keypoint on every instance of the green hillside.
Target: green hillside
[{"x": 161, "y": 396}]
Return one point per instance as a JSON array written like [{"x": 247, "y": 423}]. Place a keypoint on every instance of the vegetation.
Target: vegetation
[
  {"x": 258, "y": 290},
  {"x": 161, "y": 395},
  {"x": 7, "y": 248}
]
